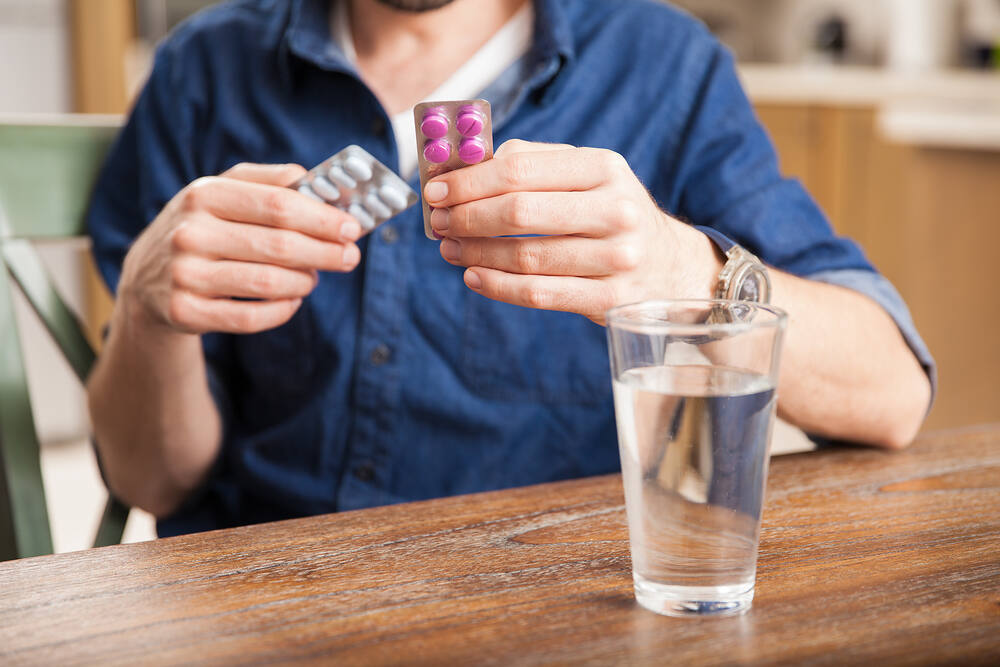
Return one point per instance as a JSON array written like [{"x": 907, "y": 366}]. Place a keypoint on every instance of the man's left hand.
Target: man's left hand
[{"x": 597, "y": 238}]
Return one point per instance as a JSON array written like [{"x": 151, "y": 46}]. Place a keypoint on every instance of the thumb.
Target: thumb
[{"x": 267, "y": 174}]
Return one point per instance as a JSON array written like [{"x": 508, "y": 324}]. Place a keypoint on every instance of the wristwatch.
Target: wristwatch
[{"x": 744, "y": 277}]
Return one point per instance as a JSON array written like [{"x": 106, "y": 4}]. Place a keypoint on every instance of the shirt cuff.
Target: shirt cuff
[{"x": 722, "y": 242}]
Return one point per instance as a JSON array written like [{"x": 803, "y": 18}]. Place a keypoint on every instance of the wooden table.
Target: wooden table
[{"x": 865, "y": 557}]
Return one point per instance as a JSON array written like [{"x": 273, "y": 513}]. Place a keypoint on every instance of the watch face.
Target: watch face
[{"x": 753, "y": 287}]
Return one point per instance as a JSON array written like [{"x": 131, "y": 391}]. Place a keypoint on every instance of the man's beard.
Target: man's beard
[{"x": 415, "y": 5}]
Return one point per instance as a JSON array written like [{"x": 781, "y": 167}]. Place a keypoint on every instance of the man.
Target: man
[{"x": 263, "y": 362}]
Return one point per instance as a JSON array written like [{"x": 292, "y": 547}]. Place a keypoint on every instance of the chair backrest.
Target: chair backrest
[{"x": 47, "y": 171}]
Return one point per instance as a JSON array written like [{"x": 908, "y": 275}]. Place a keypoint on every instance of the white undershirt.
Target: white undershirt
[{"x": 503, "y": 49}]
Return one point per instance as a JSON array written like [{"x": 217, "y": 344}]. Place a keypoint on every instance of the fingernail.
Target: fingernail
[
  {"x": 436, "y": 191},
  {"x": 351, "y": 257},
  {"x": 437, "y": 236},
  {"x": 451, "y": 250},
  {"x": 473, "y": 280},
  {"x": 440, "y": 219},
  {"x": 350, "y": 231}
]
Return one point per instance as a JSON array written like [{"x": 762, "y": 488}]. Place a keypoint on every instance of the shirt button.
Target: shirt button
[
  {"x": 381, "y": 354},
  {"x": 378, "y": 126},
  {"x": 365, "y": 472},
  {"x": 389, "y": 234}
]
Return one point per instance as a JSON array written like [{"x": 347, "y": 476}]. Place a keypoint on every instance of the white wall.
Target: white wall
[{"x": 34, "y": 49}]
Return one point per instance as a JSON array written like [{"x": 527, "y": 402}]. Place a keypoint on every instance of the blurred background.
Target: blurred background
[{"x": 887, "y": 110}]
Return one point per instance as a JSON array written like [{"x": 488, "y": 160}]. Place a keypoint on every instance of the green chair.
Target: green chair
[{"x": 47, "y": 171}]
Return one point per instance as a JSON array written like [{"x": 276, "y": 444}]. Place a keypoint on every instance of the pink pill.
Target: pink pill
[
  {"x": 437, "y": 151},
  {"x": 434, "y": 125},
  {"x": 472, "y": 151},
  {"x": 469, "y": 121}
]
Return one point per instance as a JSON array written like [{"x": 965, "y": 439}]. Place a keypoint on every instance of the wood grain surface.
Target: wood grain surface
[{"x": 866, "y": 557}]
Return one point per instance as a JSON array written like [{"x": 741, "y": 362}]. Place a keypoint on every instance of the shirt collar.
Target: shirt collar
[
  {"x": 307, "y": 39},
  {"x": 553, "y": 34}
]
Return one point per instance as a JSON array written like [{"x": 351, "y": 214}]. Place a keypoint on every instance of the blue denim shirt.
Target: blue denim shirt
[{"x": 395, "y": 382}]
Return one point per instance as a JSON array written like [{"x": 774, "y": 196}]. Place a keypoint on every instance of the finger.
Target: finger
[
  {"x": 269, "y": 206},
  {"x": 199, "y": 314},
  {"x": 546, "y": 213},
  {"x": 548, "y": 256},
  {"x": 268, "y": 174},
  {"x": 529, "y": 171},
  {"x": 223, "y": 278},
  {"x": 221, "y": 239},
  {"x": 520, "y": 146},
  {"x": 585, "y": 296}
]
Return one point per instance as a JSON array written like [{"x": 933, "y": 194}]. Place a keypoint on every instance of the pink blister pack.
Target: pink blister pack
[{"x": 451, "y": 135}]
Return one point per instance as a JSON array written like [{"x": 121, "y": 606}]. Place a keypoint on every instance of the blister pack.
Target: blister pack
[
  {"x": 451, "y": 135},
  {"x": 355, "y": 182}
]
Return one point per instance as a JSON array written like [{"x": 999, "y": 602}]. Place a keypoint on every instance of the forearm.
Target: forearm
[
  {"x": 156, "y": 425},
  {"x": 847, "y": 373}
]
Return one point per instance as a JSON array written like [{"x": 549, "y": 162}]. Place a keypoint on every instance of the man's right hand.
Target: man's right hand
[{"x": 241, "y": 235}]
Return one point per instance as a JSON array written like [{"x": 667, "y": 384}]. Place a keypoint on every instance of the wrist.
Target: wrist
[
  {"x": 137, "y": 319},
  {"x": 703, "y": 263}
]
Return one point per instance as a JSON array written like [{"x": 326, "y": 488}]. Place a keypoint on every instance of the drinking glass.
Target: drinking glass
[{"x": 694, "y": 386}]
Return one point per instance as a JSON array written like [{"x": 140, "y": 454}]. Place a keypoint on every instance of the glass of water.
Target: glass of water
[{"x": 694, "y": 385}]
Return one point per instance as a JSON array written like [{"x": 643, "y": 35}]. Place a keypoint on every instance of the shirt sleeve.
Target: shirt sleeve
[
  {"x": 151, "y": 160},
  {"x": 730, "y": 181},
  {"x": 727, "y": 177}
]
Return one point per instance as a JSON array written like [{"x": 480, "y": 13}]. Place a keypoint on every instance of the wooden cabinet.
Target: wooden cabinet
[
  {"x": 102, "y": 32},
  {"x": 928, "y": 219}
]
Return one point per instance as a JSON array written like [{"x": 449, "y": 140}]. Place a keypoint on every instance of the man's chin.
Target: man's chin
[{"x": 415, "y": 5}]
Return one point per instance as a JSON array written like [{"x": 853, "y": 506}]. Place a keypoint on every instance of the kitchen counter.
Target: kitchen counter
[{"x": 947, "y": 109}]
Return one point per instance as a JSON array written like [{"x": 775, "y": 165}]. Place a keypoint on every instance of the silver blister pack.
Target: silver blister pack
[
  {"x": 450, "y": 135},
  {"x": 355, "y": 182}
]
